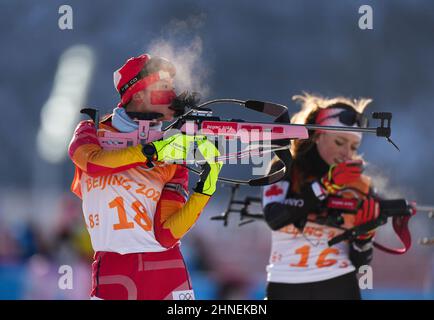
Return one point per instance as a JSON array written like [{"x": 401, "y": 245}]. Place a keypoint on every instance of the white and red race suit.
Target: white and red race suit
[
  {"x": 135, "y": 216},
  {"x": 300, "y": 251}
]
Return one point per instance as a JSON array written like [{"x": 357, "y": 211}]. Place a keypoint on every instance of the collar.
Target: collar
[{"x": 123, "y": 123}]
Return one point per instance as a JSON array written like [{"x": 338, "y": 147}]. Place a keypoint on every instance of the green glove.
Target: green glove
[
  {"x": 172, "y": 149},
  {"x": 210, "y": 170}
]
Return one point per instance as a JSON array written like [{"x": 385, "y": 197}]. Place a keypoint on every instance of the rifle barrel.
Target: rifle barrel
[{"x": 337, "y": 128}]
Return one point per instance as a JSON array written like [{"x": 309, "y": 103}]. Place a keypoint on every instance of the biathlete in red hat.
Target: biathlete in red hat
[{"x": 137, "y": 214}]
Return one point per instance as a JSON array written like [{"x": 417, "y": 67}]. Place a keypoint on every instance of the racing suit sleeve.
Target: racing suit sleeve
[
  {"x": 282, "y": 206},
  {"x": 175, "y": 215},
  {"x": 88, "y": 156}
]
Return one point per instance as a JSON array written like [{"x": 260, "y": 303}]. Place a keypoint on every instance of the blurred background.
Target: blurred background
[{"x": 223, "y": 49}]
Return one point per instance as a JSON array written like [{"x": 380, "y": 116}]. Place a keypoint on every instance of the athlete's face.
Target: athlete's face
[
  {"x": 335, "y": 147},
  {"x": 155, "y": 98}
]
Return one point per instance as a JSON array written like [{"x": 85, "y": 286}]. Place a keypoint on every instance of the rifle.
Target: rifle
[
  {"x": 399, "y": 210},
  {"x": 240, "y": 206},
  {"x": 200, "y": 119}
]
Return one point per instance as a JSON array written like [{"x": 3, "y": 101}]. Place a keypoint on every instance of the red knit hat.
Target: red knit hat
[{"x": 140, "y": 72}]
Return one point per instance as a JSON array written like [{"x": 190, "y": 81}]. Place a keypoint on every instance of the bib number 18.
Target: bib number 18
[{"x": 141, "y": 218}]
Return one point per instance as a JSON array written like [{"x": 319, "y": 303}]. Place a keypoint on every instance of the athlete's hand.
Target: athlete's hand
[
  {"x": 342, "y": 174},
  {"x": 369, "y": 210},
  {"x": 210, "y": 170},
  {"x": 175, "y": 148}
]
